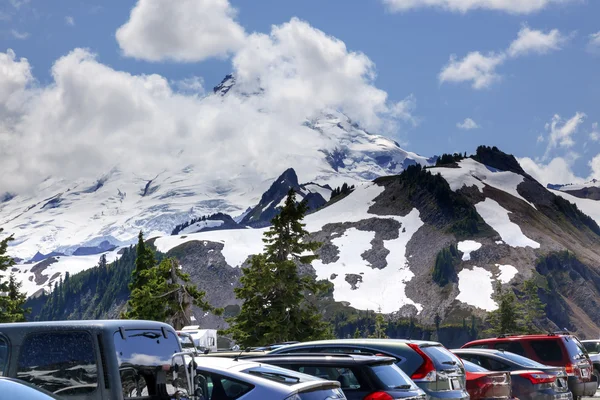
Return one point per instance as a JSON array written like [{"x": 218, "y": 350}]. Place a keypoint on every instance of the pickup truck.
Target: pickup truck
[{"x": 99, "y": 360}]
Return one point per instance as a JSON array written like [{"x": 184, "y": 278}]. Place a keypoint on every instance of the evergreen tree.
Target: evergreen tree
[
  {"x": 144, "y": 261},
  {"x": 12, "y": 300},
  {"x": 357, "y": 333},
  {"x": 275, "y": 306},
  {"x": 533, "y": 306},
  {"x": 508, "y": 317},
  {"x": 166, "y": 296},
  {"x": 380, "y": 327}
]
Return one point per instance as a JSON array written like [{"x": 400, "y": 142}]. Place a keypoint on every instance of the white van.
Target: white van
[{"x": 203, "y": 338}]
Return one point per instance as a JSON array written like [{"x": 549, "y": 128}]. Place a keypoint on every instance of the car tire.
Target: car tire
[{"x": 597, "y": 375}]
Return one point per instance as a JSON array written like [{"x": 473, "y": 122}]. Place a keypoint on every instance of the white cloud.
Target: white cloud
[
  {"x": 560, "y": 132},
  {"x": 91, "y": 117},
  {"x": 18, "y": 3},
  {"x": 182, "y": 30},
  {"x": 19, "y": 35},
  {"x": 557, "y": 171},
  {"x": 463, "y": 6},
  {"x": 534, "y": 41},
  {"x": 595, "y": 134},
  {"x": 193, "y": 85},
  {"x": 467, "y": 124},
  {"x": 480, "y": 69},
  {"x": 595, "y": 167},
  {"x": 594, "y": 42},
  {"x": 476, "y": 68},
  {"x": 69, "y": 20}
]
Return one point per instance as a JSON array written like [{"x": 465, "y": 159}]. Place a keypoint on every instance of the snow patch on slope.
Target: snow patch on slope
[
  {"x": 497, "y": 217},
  {"x": 507, "y": 273},
  {"x": 587, "y": 206},
  {"x": 476, "y": 288},
  {"x": 201, "y": 225},
  {"x": 467, "y": 247},
  {"x": 473, "y": 173}
]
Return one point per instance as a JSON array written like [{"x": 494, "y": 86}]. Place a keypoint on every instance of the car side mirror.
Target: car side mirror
[{"x": 206, "y": 351}]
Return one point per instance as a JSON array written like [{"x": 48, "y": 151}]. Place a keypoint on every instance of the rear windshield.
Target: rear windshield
[
  {"x": 281, "y": 375},
  {"x": 324, "y": 394},
  {"x": 592, "y": 347},
  {"x": 574, "y": 348},
  {"x": 547, "y": 350},
  {"x": 470, "y": 367},
  {"x": 525, "y": 362},
  {"x": 391, "y": 377},
  {"x": 442, "y": 358}
]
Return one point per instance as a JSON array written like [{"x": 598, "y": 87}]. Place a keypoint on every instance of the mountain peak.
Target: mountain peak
[
  {"x": 496, "y": 158},
  {"x": 225, "y": 85}
]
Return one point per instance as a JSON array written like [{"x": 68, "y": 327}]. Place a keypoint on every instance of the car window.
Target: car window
[
  {"x": 217, "y": 387},
  {"x": 524, "y": 361},
  {"x": 547, "y": 350},
  {"x": 142, "y": 356},
  {"x": 281, "y": 375},
  {"x": 574, "y": 347},
  {"x": 345, "y": 376},
  {"x": 442, "y": 358},
  {"x": 592, "y": 347},
  {"x": 493, "y": 364},
  {"x": 345, "y": 350},
  {"x": 512, "y": 346},
  {"x": 472, "y": 367},
  {"x": 391, "y": 376},
  {"x": 324, "y": 394},
  {"x": 62, "y": 363},
  {"x": 3, "y": 356}
]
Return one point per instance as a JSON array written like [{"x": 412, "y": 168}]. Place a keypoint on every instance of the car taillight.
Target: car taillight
[
  {"x": 572, "y": 370},
  {"x": 538, "y": 377},
  {"x": 378, "y": 396},
  {"x": 426, "y": 371}
]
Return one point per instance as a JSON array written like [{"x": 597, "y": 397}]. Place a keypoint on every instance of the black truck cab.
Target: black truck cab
[{"x": 97, "y": 360}]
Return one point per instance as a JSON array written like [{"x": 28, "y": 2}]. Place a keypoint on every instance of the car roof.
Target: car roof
[
  {"x": 323, "y": 359},
  {"x": 359, "y": 342},
  {"x": 85, "y": 324},
  {"x": 481, "y": 351},
  {"x": 520, "y": 337}
]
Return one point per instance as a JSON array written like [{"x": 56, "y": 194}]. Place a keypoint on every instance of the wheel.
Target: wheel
[{"x": 597, "y": 375}]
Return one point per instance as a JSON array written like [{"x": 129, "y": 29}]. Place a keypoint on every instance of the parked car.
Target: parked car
[
  {"x": 557, "y": 349},
  {"x": 593, "y": 349},
  {"x": 429, "y": 364},
  {"x": 232, "y": 378},
  {"x": 529, "y": 379},
  {"x": 204, "y": 338},
  {"x": 15, "y": 389},
  {"x": 486, "y": 384},
  {"x": 361, "y": 377}
]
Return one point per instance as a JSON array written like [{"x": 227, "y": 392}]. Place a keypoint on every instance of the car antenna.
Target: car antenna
[{"x": 236, "y": 358}]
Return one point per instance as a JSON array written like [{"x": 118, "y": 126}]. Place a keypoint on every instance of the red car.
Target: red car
[
  {"x": 556, "y": 349},
  {"x": 483, "y": 384}
]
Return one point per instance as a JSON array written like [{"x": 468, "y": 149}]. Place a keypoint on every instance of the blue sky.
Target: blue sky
[{"x": 409, "y": 48}]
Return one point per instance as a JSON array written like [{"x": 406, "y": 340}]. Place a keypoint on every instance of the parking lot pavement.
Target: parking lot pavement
[{"x": 596, "y": 396}]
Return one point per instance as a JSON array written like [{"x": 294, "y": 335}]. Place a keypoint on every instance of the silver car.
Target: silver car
[
  {"x": 15, "y": 389},
  {"x": 227, "y": 378}
]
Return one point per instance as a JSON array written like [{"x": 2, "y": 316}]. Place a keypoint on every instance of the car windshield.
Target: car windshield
[
  {"x": 186, "y": 342},
  {"x": 442, "y": 358},
  {"x": 592, "y": 347},
  {"x": 574, "y": 347},
  {"x": 470, "y": 367},
  {"x": 281, "y": 375},
  {"x": 523, "y": 361},
  {"x": 392, "y": 377}
]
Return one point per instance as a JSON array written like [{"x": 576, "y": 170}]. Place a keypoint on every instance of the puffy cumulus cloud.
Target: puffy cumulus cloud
[
  {"x": 535, "y": 41},
  {"x": 463, "y": 6},
  {"x": 560, "y": 132},
  {"x": 476, "y": 68},
  {"x": 300, "y": 70},
  {"x": 480, "y": 69},
  {"x": 182, "y": 30},
  {"x": 557, "y": 171},
  {"x": 595, "y": 133},
  {"x": 93, "y": 118},
  {"x": 467, "y": 124},
  {"x": 595, "y": 167}
]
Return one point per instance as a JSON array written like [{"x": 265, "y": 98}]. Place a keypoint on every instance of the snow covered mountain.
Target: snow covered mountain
[
  {"x": 381, "y": 245},
  {"x": 62, "y": 216}
]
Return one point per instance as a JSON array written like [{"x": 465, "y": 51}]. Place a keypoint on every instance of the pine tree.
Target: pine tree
[
  {"x": 166, "y": 296},
  {"x": 533, "y": 307},
  {"x": 144, "y": 261},
  {"x": 380, "y": 327},
  {"x": 11, "y": 303},
  {"x": 357, "y": 333},
  {"x": 508, "y": 317},
  {"x": 276, "y": 308}
]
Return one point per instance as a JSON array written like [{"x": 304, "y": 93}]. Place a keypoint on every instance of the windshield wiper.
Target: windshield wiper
[
  {"x": 149, "y": 335},
  {"x": 402, "y": 387}
]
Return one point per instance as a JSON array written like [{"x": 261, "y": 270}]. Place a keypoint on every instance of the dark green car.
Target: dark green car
[{"x": 430, "y": 365}]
